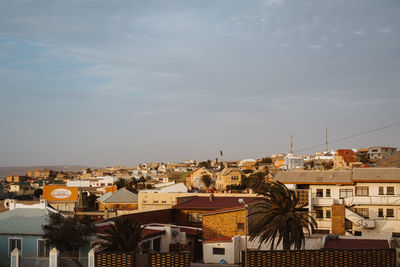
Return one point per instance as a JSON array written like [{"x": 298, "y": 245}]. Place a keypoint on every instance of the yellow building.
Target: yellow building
[
  {"x": 15, "y": 178},
  {"x": 38, "y": 173},
  {"x": 224, "y": 223},
  {"x": 121, "y": 199},
  {"x": 194, "y": 179},
  {"x": 228, "y": 176}
]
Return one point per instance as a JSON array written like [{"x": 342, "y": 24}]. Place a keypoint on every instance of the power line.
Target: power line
[{"x": 350, "y": 136}]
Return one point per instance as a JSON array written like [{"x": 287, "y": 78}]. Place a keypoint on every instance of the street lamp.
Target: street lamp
[{"x": 241, "y": 201}]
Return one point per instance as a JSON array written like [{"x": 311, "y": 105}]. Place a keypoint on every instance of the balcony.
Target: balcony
[
  {"x": 323, "y": 201},
  {"x": 359, "y": 220},
  {"x": 372, "y": 200}
]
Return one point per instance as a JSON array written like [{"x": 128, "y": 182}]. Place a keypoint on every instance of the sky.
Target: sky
[{"x": 105, "y": 82}]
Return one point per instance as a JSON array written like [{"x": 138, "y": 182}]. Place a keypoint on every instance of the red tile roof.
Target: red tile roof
[
  {"x": 355, "y": 244},
  {"x": 224, "y": 210},
  {"x": 347, "y": 154},
  {"x": 217, "y": 203},
  {"x": 218, "y": 240},
  {"x": 146, "y": 233}
]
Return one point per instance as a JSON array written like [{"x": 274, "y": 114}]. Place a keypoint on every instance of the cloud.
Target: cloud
[
  {"x": 195, "y": 65},
  {"x": 383, "y": 30},
  {"x": 316, "y": 46}
]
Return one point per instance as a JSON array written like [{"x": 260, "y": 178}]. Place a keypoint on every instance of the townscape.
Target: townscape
[
  {"x": 200, "y": 209},
  {"x": 199, "y": 133}
]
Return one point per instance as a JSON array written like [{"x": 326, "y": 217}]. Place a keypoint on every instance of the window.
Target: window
[
  {"x": 389, "y": 212},
  {"x": 343, "y": 193},
  {"x": 320, "y": 214},
  {"x": 14, "y": 243},
  {"x": 328, "y": 193},
  {"x": 390, "y": 190},
  {"x": 194, "y": 217},
  {"x": 328, "y": 214},
  {"x": 234, "y": 178},
  {"x": 381, "y": 190},
  {"x": 320, "y": 192},
  {"x": 240, "y": 226},
  {"x": 164, "y": 201},
  {"x": 363, "y": 212},
  {"x": 380, "y": 212},
  {"x": 357, "y": 233},
  {"x": 43, "y": 248},
  {"x": 146, "y": 244},
  {"x": 394, "y": 234},
  {"x": 157, "y": 244},
  {"x": 155, "y": 201},
  {"x": 361, "y": 190},
  {"x": 218, "y": 251}
]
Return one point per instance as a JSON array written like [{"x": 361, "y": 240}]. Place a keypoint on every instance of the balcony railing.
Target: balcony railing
[
  {"x": 324, "y": 201},
  {"x": 372, "y": 200}
]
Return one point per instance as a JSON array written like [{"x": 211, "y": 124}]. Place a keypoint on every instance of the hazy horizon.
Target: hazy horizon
[{"x": 99, "y": 83}]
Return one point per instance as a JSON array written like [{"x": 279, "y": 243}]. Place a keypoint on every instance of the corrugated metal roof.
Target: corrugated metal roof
[
  {"x": 122, "y": 196},
  {"x": 216, "y": 203},
  {"x": 24, "y": 221},
  {"x": 331, "y": 177},
  {"x": 104, "y": 197},
  {"x": 375, "y": 174}
]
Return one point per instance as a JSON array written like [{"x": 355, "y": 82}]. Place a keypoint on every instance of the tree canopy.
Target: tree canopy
[
  {"x": 67, "y": 234},
  {"x": 206, "y": 179},
  {"x": 124, "y": 235},
  {"x": 277, "y": 217}
]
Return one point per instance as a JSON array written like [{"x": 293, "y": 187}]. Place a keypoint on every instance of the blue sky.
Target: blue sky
[{"x": 100, "y": 82}]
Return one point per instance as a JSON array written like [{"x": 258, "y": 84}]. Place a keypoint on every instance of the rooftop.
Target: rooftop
[
  {"x": 355, "y": 244},
  {"x": 24, "y": 221},
  {"x": 122, "y": 196},
  {"x": 216, "y": 203}
]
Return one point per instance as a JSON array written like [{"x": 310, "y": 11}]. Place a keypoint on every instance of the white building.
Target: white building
[
  {"x": 370, "y": 198},
  {"x": 293, "y": 162}
]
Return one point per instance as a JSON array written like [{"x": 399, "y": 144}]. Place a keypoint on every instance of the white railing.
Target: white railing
[
  {"x": 323, "y": 201},
  {"x": 358, "y": 219},
  {"x": 372, "y": 200}
]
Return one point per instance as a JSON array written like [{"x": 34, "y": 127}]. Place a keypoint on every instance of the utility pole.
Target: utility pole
[
  {"x": 291, "y": 144},
  {"x": 326, "y": 139}
]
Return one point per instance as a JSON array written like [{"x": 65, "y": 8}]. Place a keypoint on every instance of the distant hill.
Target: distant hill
[
  {"x": 5, "y": 171},
  {"x": 392, "y": 161}
]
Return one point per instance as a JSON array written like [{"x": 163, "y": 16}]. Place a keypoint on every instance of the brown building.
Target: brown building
[
  {"x": 15, "y": 178},
  {"x": 346, "y": 159},
  {"x": 38, "y": 173},
  {"x": 190, "y": 212}
]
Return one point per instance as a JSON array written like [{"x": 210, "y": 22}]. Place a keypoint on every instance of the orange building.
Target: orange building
[{"x": 62, "y": 198}]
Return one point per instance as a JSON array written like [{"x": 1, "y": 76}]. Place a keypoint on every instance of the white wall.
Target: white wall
[
  {"x": 233, "y": 248},
  {"x": 209, "y": 257}
]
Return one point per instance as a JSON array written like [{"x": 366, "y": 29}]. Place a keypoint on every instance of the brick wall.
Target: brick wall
[
  {"x": 170, "y": 260},
  {"x": 327, "y": 257},
  {"x": 121, "y": 259},
  {"x": 223, "y": 224},
  {"x": 338, "y": 219}
]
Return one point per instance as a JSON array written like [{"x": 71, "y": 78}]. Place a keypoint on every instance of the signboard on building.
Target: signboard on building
[{"x": 60, "y": 193}]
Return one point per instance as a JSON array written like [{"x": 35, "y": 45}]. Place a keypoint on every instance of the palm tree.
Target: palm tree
[
  {"x": 277, "y": 216},
  {"x": 120, "y": 183},
  {"x": 143, "y": 181},
  {"x": 258, "y": 181},
  {"x": 124, "y": 235},
  {"x": 132, "y": 185}
]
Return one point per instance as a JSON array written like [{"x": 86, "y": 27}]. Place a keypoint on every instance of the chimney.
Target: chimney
[{"x": 212, "y": 198}]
